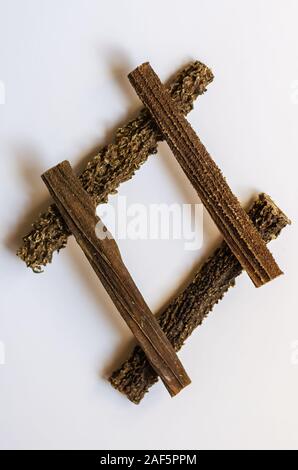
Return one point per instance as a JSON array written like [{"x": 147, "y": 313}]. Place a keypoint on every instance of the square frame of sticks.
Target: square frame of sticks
[{"x": 245, "y": 234}]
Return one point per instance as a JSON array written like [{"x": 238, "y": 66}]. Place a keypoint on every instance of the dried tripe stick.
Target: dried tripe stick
[
  {"x": 78, "y": 211},
  {"x": 114, "y": 164},
  {"x": 190, "y": 307},
  {"x": 205, "y": 176}
]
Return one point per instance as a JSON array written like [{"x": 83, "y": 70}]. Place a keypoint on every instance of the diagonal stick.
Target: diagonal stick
[
  {"x": 78, "y": 211},
  {"x": 196, "y": 301}
]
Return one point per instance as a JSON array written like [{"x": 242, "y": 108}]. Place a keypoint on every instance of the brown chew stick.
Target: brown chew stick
[
  {"x": 192, "y": 305},
  {"x": 114, "y": 164},
  {"x": 78, "y": 211},
  {"x": 224, "y": 208}
]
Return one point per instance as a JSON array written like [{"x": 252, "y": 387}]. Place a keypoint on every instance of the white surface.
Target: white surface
[{"x": 64, "y": 67}]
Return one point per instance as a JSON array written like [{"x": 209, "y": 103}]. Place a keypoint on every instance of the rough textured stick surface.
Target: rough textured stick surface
[
  {"x": 114, "y": 164},
  {"x": 206, "y": 177},
  {"x": 78, "y": 211},
  {"x": 192, "y": 305}
]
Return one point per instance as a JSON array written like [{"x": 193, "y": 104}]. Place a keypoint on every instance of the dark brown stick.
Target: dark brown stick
[
  {"x": 114, "y": 164},
  {"x": 78, "y": 212},
  {"x": 192, "y": 305},
  {"x": 225, "y": 209}
]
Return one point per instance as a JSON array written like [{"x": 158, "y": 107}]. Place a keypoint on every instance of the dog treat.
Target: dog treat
[
  {"x": 190, "y": 307},
  {"x": 114, "y": 164},
  {"x": 78, "y": 211},
  {"x": 224, "y": 208}
]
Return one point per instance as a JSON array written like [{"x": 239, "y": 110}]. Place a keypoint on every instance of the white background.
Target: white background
[{"x": 64, "y": 65}]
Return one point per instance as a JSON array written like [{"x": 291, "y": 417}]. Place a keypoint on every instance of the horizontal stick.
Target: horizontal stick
[
  {"x": 114, "y": 164},
  {"x": 192, "y": 305},
  {"x": 207, "y": 179},
  {"x": 78, "y": 211}
]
